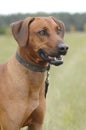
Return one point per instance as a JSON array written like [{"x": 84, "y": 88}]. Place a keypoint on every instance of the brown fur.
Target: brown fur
[{"x": 22, "y": 100}]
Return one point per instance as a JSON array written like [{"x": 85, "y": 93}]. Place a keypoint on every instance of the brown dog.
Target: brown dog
[{"x": 22, "y": 78}]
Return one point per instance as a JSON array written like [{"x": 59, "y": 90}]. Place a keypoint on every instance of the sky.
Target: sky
[{"x": 48, "y": 6}]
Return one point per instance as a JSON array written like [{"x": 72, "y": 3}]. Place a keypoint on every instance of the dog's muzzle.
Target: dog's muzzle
[{"x": 56, "y": 58}]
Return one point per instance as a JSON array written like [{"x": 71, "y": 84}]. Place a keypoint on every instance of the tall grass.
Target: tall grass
[
  {"x": 66, "y": 98},
  {"x": 7, "y": 47}
]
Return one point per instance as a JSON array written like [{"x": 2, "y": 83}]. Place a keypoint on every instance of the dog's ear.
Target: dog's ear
[
  {"x": 20, "y": 31},
  {"x": 61, "y": 26}
]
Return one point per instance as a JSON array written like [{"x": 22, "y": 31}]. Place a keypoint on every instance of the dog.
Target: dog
[{"x": 22, "y": 77}]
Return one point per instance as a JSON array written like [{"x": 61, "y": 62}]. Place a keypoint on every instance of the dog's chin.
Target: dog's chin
[{"x": 54, "y": 60}]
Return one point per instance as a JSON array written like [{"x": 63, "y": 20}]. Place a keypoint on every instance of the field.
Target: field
[{"x": 66, "y": 98}]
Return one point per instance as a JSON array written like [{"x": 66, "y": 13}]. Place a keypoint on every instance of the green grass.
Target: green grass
[
  {"x": 66, "y": 98},
  {"x": 7, "y": 47}
]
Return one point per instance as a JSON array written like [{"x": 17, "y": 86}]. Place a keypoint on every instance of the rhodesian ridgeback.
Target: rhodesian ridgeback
[{"x": 22, "y": 78}]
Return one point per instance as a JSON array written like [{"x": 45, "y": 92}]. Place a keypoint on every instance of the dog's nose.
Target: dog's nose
[{"x": 62, "y": 48}]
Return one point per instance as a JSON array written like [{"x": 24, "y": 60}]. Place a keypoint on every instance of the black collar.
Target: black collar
[{"x": 30, "y": 65}]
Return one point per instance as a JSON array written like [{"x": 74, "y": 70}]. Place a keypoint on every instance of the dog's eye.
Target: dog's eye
[
  {"x": 59, "y": 30},
  {"x": 42, "y": 32}
]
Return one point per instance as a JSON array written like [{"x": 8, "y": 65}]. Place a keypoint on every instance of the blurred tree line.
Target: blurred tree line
[{"x": 73, "y": 22}]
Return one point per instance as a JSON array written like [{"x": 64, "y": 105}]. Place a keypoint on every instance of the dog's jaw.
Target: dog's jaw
[{"x": 54, "y": 60}]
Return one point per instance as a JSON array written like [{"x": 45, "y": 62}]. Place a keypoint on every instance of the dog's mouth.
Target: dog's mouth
[{"x": 55, "y": 59}]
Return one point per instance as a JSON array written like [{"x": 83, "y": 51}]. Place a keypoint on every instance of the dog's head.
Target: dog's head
[{"x": 40, "y": 39}]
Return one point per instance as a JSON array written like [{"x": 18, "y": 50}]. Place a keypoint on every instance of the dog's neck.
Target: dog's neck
[{"x": 31, "y": 66}]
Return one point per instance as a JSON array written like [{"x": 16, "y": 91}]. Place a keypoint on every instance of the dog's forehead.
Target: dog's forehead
[
  {"x": 44, "y": 19},
  {"x": 40, "y": 22}
]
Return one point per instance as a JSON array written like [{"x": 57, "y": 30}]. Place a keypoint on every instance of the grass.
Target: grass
[
  {"x": 7, "y": 47},
  {"x": 66, "y": 98}
]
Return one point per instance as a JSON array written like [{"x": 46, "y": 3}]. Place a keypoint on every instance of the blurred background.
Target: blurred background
[{"x": 66, "y": 98}]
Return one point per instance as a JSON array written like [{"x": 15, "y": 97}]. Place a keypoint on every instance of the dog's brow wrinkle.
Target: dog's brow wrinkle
[{"x": 48, "y": 21}]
